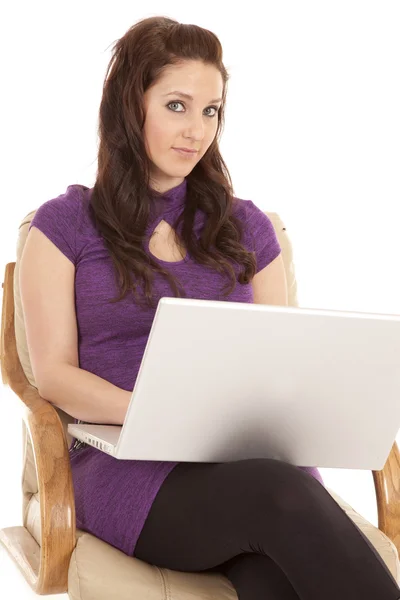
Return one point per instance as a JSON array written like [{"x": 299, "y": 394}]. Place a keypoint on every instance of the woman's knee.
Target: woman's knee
[{"x": 273, "y": 483}]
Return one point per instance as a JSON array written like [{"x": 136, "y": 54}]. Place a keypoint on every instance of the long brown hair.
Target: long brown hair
[{"x": 120, "y": 201}]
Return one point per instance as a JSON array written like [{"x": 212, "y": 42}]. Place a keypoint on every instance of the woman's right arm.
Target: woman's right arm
[{"x": 47, "y": 287}]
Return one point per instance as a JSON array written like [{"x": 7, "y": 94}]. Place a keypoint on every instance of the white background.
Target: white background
[{"x": 312, "y": 132}]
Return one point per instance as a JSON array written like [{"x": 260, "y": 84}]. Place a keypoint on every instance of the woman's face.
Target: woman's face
[{"x": 173, "y": 121}]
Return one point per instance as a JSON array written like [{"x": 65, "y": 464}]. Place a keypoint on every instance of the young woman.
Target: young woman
[{"x": 163, "y": 221}]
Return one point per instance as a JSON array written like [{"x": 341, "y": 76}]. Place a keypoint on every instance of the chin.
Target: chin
[{"x": 176, "y": 173}]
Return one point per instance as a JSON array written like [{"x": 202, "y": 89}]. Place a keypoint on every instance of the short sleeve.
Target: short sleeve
[
  {"x": 262, "y": 236},
  {"x": 58, "y": 220}
]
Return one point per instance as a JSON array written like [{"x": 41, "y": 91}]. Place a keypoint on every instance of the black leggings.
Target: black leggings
[{"x": 272, "y": 529}]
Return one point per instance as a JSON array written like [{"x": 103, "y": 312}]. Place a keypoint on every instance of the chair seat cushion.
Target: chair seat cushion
[{"x": 99, "y": 571}]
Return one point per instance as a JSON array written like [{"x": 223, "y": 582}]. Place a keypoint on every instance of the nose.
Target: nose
[{"x": 195, "y": 128}]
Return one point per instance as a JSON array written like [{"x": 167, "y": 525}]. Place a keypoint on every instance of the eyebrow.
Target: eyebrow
[{"x": 188, "y": 96}]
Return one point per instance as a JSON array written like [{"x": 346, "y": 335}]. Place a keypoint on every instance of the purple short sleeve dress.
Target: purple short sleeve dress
[{"x": 113, "y": 497}]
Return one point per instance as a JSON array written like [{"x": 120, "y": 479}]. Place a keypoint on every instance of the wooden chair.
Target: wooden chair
[{"x": 53, "y": 556}]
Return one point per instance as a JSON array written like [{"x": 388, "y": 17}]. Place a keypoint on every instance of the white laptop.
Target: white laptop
[{"x": 223, "y": 381}]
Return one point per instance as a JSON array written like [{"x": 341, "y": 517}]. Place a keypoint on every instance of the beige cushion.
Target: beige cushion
[
  {"x": 99, "y": 571},
  {"x": 378, "y": 539}
]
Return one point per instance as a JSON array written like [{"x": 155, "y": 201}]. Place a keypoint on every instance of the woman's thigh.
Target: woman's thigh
[{"x": 205, "y": 513}]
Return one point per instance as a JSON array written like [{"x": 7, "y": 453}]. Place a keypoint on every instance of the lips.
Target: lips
[
  {"x": 186, "y": 150},
  {"x": 184, "y": 154}
]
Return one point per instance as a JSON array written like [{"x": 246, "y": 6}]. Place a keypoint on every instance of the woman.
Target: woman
[{"x": 161, "y": 222}]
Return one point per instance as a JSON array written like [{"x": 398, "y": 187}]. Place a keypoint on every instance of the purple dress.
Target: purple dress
[{"x": 113, "y": 497}]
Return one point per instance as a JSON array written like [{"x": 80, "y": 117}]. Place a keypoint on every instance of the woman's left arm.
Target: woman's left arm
[{"x": 270, "y": 285}]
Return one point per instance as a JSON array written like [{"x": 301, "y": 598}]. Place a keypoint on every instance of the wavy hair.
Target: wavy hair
[{"x": 121, "y": 198}]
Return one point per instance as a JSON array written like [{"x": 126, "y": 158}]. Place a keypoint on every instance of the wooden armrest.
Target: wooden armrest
[
  {"x": 387, "y": 490},
  {"x": 45, "y": 567},
  {"x": 56, "y": 498}
]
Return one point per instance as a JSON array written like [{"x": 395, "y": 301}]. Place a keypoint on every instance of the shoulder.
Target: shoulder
[
  {"x": 259, "y": 232},
  {"x": 247, "y": 210},
  {"x": 61, "y": 217},
  {"x": 254, "y": 218},
  {"x": 68, "y": 204}
]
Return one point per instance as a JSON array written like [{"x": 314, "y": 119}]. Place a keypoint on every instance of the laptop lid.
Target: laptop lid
[{"x": 222, "y": 381}]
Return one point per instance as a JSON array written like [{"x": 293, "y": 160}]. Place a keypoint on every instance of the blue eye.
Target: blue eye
[{"x": 179, "y": 102}]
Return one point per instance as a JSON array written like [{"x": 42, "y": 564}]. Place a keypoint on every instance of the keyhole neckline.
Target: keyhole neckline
[
  {"x": 169, "y": 202},
  {"x": 152, "y": 226}
]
